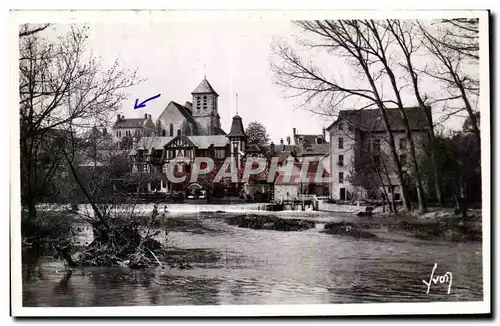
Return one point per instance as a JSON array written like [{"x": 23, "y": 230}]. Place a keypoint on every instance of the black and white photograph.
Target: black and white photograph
[{"x": 249, "y": 163}]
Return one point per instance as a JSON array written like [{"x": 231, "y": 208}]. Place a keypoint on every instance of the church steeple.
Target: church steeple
[{"x": 204, "y": 99}]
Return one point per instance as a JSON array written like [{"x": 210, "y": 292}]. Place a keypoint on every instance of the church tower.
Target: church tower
[{"x": 205, "y": 108}]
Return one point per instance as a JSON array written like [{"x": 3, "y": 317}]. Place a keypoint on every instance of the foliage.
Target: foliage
[{"x": 257, "y": 133}]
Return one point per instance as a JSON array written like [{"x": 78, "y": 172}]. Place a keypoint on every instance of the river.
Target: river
[{"x": 246, "y": 266}]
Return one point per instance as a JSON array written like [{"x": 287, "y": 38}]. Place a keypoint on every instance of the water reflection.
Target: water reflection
[{"x": 242, "y": 266}]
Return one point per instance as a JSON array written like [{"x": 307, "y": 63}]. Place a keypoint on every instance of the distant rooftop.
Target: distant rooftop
[{"x": 371, "y": 120}]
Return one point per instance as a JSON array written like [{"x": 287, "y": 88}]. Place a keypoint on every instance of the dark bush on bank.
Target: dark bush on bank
[{"x": 266, "y": 222}]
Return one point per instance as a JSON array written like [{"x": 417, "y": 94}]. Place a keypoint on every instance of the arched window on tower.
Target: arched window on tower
[
  {"x": 198, "y": 102},
  {"x": 171, "y": 130},
  {"x": 205, "y": 102}
]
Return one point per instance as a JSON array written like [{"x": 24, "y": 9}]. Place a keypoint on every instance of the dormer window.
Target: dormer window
[{"x": 320, "y": 140}]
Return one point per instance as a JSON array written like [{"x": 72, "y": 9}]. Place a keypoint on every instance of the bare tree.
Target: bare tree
[
  {"x": 361, "y": 48},
  {"x": 404, "y": 34},
  {"x": 378, "y": 43},
  {"x": 29, "y": 29},
  {"x": 63, "y": 88},
  {"x": 455, "y": 45}
]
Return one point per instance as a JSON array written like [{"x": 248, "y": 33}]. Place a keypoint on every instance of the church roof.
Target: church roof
[
  {"x": 237, "y": 127},
  {"x": 204, "y": 87},
  {"x": 184, "y": 111}
]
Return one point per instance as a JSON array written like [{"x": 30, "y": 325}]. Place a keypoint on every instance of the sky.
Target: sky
[
  {"x": 173, "y": 57},
  {"x": 234, "y": 57}
]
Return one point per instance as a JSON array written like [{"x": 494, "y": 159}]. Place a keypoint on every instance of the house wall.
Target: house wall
[
  {"x": 350, "y": 138},
  {"x": 123, "y": 131}
]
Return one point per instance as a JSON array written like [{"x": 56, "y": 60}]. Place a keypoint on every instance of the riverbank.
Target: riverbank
[
  {"x": 436, "y": 224},
  {"x": 440, "y": 224}
]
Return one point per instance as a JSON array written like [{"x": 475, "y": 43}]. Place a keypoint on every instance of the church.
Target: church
[{"x": 181, "y": 132}]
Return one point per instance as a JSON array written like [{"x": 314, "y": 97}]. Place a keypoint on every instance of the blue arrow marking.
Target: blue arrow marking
[{"x": 143, "y": 103}]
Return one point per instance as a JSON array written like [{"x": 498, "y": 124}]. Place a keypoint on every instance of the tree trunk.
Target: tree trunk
[
  {"x": 82, "y": 187},
  {"x": 468, "y": 107},
  {"x": 418, "y": 179},
  {"x": 383, "y": 113},
  {"x": 435, "y": 170}
]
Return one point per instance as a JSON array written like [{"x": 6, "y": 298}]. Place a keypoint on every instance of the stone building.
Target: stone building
[
  {"x": 360, "y": 157},
  {"x": 185, "y": 132},
  {"x": 126, "y": 129},
  {"x": 197, "y": 118}
]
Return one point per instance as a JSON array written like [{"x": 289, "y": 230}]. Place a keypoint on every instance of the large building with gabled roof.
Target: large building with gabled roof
[{"x": 360, "y": 158}]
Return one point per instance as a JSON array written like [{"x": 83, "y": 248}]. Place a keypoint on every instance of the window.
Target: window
[
  {"x": 341, "y": 177},
  {"x": 341, "y": 160},
  {"x": 137, "y": 133},
  {"x": 220, "y": 153},
  {"x": 341, "y": 126},
  {"x": 205, "y": 102},
  {"x": 171, "y": 130},
  {"x": 198, "y": 102},
  {"x": 402, "y": 159},
  {"x": 117, "y": 135},
  {"x": 403, "y": 144},
  {"x": 235, "y": 147},
  {"x": 164, "y": 133},
  {"x": 341, "y": 143}
]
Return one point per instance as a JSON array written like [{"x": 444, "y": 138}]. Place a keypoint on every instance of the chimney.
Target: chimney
[
  {"x": 123, "y": 117},
  {"x": 282, "y": 144},
  {"x": 149, "y": 116},
  {"x": 118, "y": 118},
  {"x": 324, "y": 133},
  {"x": 288, "y": 140},
  {"x": 145, "y": 116},
  {"x": 271, "y": 146},
  {"x": 294, "y": 132},
  {"x": 189, "y": 105}
]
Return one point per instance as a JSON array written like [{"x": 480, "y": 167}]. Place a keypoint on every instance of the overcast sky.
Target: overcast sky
[{"x": 174, "y": 57}]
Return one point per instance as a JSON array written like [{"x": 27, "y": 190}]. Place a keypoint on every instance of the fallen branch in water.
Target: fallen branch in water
[{"x": 155, "y": 257}]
